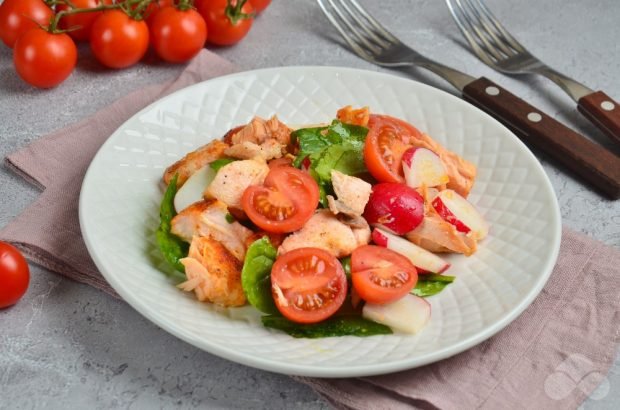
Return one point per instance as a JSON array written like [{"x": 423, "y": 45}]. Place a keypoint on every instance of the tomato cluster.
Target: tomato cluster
[{"x": 43, "y": 33}]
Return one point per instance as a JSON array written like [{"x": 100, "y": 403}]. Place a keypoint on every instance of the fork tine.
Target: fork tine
[
  {"x": 507, "y": 37},
  {"x": 489, "y": 28},
  {"x": 355, "y": 29},
  {"x": 351, "y": 41},
  {"x": 467, "y": 30},
  {"x": 374, "y": 23},
  {"x": 479, "y": 33}
]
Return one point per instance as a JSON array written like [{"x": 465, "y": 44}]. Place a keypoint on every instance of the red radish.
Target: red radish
[
  {"x": 461, "y": 213},
  {"x": 422, "y": 166},
  {"x": 422, "y": 259},
  {"x": 409, "y": 314},
  {"x": 394, "y": 206}
]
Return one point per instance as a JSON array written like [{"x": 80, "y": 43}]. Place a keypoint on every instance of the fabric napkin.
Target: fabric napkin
[{"x": 552, "y": 356}]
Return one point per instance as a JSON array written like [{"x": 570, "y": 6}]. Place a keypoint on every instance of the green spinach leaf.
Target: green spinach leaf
[
  {"x": 335, "y": 326},
  {"x": 172, "y": 247},
  {"x": 219, "y": 163},
  {"x": 431, "y": 284},
  {"x": 256, "y": 275}
]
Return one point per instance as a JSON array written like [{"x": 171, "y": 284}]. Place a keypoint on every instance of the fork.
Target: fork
[
  {"x": 496, "y": 47},
  {"x": 371, "y": 41}
]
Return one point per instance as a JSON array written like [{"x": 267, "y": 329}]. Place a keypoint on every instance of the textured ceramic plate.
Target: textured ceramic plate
[{"x": 122, "y": 191}]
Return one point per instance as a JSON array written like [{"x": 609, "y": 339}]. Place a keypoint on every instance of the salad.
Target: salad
[{"x": 328, "y": 230}]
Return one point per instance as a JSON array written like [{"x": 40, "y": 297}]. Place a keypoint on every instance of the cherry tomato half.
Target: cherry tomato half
[
  {"x": 177, "y": 35},
  {"x": 117, "y": 40},
  {"x": 380, "y": 275},
  {"x": 14, "y": 275},
  {"x": 285, "y": 201},
  {"x": 19, "y": 16},
  {"x": 43, "y": 59},
  {"x": 223, "y": 31},
  {"x": 387, "y": 140},
  {"x": 82, "y": 20},
  {"x": 308, "y": 285}
]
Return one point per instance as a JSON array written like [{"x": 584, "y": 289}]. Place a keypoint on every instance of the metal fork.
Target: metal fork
[
  {"x": 374, "y": 43},
  {"x": 496, "y": 47}
]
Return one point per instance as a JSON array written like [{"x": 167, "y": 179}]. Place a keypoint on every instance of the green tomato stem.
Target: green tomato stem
[{"x": 235, "y": 14}]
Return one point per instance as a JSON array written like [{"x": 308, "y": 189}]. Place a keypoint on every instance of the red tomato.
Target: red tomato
[
  {"x": 259, "y": 5},
  {"x": 152, "y": 9},
  {"x": 177, "y": 35},
  {"x": 279, "y": 162},
  {"x": 83, "y": 20},
  {"x": 387, "y": 140},
  {"x": 117, "y": 40},
  {"x": 308, "y": 285},
  {"x": 225, "y": 30},
  {"x": 18, "y": 16},
  {"x": 380, "y": 275},
  {"x": 14, "y": 275},
  {"x": 285, "y": 201},
  {"x": 397, "y": 207},
  {"x": 43, "y": 59}
]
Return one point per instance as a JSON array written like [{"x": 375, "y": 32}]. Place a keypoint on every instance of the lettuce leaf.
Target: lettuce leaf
[
  {"x": 256, "y": 275},
  {"x": 431, "y": 284},
  {"x": 219, "y": 163},
  {"x": 339, "y": 146},
  {"x": 171, "y": 246},
  {"x": 335, "y": 326}
]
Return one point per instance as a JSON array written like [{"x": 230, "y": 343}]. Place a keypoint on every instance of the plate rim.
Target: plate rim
[{"x": 314, "y": 370}]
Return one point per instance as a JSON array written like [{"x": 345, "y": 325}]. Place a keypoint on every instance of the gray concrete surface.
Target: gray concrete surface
[{"x": 66, "y": 345}]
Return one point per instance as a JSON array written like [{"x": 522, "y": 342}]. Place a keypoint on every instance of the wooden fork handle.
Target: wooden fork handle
[
  {"x": 593, "y": 163},
  {"x": 603, "y": 112}
]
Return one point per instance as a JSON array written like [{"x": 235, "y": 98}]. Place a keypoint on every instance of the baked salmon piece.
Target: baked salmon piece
[
  {"x": 323, "y": 230},
  {"x": 195, "y": 160},
  {"x": 232, "y": 180},
  {"x": 213, "y": 273},
  {"x": 352, "y": 192},
  {"x": 267, "y": 139},
  {"x": 208, "y": 219}
]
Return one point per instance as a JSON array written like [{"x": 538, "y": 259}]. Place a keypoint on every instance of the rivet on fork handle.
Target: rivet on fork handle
[
  {"x": 603, "y": 111},
  {"x": 593, "y": 163}
]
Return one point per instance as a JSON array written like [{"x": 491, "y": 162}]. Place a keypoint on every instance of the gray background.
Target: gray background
[{"x": 66, "y": 345}]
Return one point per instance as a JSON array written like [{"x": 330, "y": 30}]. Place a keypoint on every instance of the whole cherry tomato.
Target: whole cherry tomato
[
  {"x": 177, "y": 35},
  {"x": 259, "y": 5},
  {"x": 82, "y": 20},
  {"x": 18, "y": 16},
  {"x": 153, "y": 8},
  {"x": 117, "y": 40},
  {"x": 14, "y": 275},
  {"x": 44, "y": 59},
  {"x": 228, "y": 21}
]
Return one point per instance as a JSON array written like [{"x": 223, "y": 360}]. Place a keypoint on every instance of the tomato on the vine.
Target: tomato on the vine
[
  {"x": 44, "y": 59},
  {"x": 117, "y": 40},
  {"x": 14, "y": 275},
  {"x": 18, "y": 16},
  {"x": 308, "y": 285},
  {"x": 228, "y": 21},
  {"x": 259, "y": 5},
  {"x": 153, "y": 8},
  {"x": 84, "y": 21},
  {"x": 177, "y": 35}
]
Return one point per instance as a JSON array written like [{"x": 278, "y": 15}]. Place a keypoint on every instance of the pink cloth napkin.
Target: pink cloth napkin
[{"x": 552, "y": 356}]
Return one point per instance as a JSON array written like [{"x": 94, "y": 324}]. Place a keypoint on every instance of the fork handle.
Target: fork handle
[
  {"x": 603, "y": 112},
  {"x": 592, "y": 162}
]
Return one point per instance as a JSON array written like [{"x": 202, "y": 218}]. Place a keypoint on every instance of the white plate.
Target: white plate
[{"x": 121, "y": 194}]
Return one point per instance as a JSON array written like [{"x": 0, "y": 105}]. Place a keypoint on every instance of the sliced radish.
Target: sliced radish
[
  {"x": 422, "y": 259},
  {"x": 461, "y": 213},
  {"x": 193, "y": 189},
  {"x": 422, "y": 166},
  {"x": 410, "y": 314}
]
